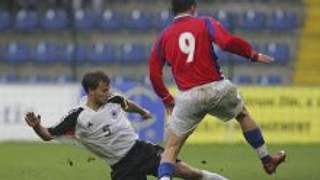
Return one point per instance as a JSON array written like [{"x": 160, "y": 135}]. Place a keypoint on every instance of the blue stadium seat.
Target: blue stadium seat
[
  {"x": 110, "y": 20},
  {"x": 16, "y": 52},
  {"x": 85, "y": 20},
  {"x": 225, "y": 18},
  {"x": 280, "y": 51},
  {"x": 138, "y": 20},
  {"x": 102, "y": 53},
  {"x": 236, "y": 59},
  {"x": 5, "y": 20},
  {"x": 223, "y": 57},
  {"x": 243, "y": 79},
  {"x": 282, "y": 21},
  {"x": 123, "y": 84},
  {"x": 55, "y": 20},
  {"x": 63, "y": 79},
  {"x": 161, "y": 19},
  {"x": 8, "y": 78},
  {"x": 252, "y": 21},
  {"x": 40, "y": 79},
  {"x": 268, "y": 80},
  {"x": 46, "y": 53},
  {"x": 26, "y": 20},
  {"x": 67, "y": 52},
  {"x": 132, "y": 53},
  {"x": 81, "y": 53}
]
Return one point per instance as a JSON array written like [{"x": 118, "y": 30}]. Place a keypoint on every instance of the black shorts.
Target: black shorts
[{"x": 143, "y": 159}]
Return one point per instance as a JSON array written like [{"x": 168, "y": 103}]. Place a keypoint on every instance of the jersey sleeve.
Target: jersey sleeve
[
  {"x": 156, "y": 64},
  {"x": 229, "y": 42},
  {"x": 67, "y": 125},
  {"x": 118, "y": 99}
]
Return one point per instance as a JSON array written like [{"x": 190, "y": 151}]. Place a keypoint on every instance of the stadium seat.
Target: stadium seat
[
  {"x": 5, "y": 20},
  {"x": 63, "y": 79},
  {"x": 46, "y": 53},
  {"x": 16, "y": 52},
  {"x": 123, "y": 84},
  {"x": 8, "y": 78},
  {"x": 161, "y": 19},
  {"x": 132, "y": 53},
  {"x": 102, "y": 53},
  {"x": 67, "y": 52},
  {"x": 81, "y": 53},
  {"x": 110, "y": 20},
  {"x": 243, "y": 79},
  {"x": 55, "y": 20},
  {"x": 85, "y": 20},
  {"x": 282, "y": 21},
  {"x": 268, "y": 80},
  {"x": 280, "y": 51},
  {"x": 26, "y": 20},
  {"x": 138, "y": 21},
  {"x": 225, "y": 18},
  {"x": 40, "y": 79},
  {"x": 252, "y": 21},
  {"x": 239, "y": 60},
  {"x": 223, "y": 57}
]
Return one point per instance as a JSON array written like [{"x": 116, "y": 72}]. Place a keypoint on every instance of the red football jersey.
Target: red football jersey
[{"x": 187, "y": 46}]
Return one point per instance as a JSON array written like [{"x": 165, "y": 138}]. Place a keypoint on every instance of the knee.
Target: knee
[{"x": 242, "y": 115}]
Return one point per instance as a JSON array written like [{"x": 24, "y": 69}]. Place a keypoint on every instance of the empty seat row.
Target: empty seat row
[
  {"x": 265, "y": 80},
  {"x": 48, "y": 53},
  {"x": 128, "y": 53},
  {"x": 125, "y": 83},
  {"x": 109, "y": 20},
  {"x": 280, "y": 51}
]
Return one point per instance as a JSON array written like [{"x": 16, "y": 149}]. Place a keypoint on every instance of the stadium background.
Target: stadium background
[{"x": 46, "y": 47}]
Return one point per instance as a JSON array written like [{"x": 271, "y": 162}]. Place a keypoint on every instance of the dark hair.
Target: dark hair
[
  {"x": 91, "y": 80},
  {"x": 180, "y": 6}
]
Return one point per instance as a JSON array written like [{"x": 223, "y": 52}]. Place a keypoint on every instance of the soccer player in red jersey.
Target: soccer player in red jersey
[{"x": 187, "y": 46}]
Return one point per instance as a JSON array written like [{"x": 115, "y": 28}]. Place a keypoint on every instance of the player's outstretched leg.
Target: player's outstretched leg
[
  {"x": 186, "y": 171},
  {"x": 254, "y": 137},
  {"x": 173, "y": 145},
  {"x": 206, "y": 175}
]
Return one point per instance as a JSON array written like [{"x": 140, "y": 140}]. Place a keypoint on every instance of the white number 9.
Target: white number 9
[{"x": 187, "y": 44}]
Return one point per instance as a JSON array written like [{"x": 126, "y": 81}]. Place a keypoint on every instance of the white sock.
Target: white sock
[
  {"x": 211, "y": 176},
  {"x": 262, "y": 151},
  {"x": 165, "y": 178}
]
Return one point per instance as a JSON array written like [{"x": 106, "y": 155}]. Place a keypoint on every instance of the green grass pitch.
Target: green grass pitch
[{"x": 50, "y": 161}]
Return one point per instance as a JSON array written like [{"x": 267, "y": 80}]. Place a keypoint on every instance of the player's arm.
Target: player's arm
[
  {"x": 34, "y": 121},
  {"x": 236, "y": 45},
  {"x": 65, "y": 127},
  {"x": 133, "y": 107},
  {"x": 156, "y": 64},
  {"x": 130, "y": 106}
]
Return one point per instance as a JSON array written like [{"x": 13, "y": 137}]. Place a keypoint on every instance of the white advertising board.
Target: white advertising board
[{"x": 51, "y": 101}]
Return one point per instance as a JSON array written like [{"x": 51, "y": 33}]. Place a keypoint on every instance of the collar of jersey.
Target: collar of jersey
[{"x": 183, "y": 15}]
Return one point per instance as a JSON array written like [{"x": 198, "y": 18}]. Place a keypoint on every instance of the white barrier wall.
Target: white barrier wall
[{"x": 51, "y": 101}]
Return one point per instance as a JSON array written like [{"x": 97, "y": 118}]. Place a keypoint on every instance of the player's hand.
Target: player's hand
[
  {"x": 32, "y": 119},
  {"x": 146, "y": 115},
  {"x": 262, "y": 58}
]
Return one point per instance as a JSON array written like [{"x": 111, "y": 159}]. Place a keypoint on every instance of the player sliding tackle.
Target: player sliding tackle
[
  {"x": 102, "y": 126},
  {"x": 187, "y": 46}
]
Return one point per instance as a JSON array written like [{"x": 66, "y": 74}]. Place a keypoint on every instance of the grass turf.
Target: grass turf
[{"x": 49, "y": 161}]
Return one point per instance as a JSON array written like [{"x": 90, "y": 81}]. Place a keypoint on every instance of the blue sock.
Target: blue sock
[
  {"x": 166, "y": 169},
  {"x": 254, "y": 138}
]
